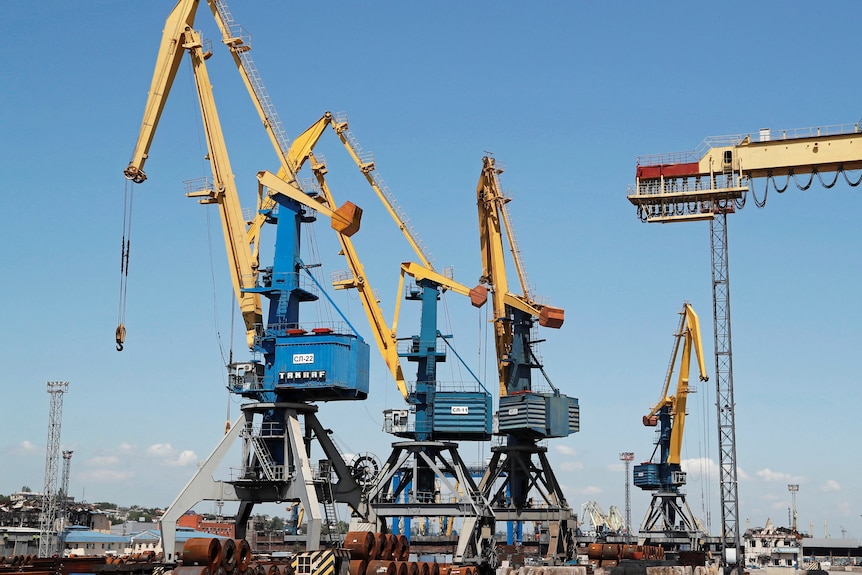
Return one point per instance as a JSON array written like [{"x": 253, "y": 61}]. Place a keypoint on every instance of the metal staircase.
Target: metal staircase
[{"x": 323, "y": 480}]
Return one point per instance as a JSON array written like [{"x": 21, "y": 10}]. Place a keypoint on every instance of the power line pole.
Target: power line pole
[
  {"x": 50, "y": 502},
  {"x": 627, "y": 457}
]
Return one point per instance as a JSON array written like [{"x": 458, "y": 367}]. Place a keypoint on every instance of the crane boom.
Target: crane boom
[
  {"x": 180, "y": 20},
  {"x": 179, "y": 36},
  {"x": 687, "y": 337},
  {"x": 493, "y": 223},
  {"x": 698, "y": 184}
]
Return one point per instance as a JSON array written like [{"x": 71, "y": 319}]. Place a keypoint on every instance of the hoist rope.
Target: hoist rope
[
  {"x": 128, "y": 202},
  {"x": 215, "y": 290},
  {"x": 324, "y": 313},
  {"x": 447, "y": 317}
]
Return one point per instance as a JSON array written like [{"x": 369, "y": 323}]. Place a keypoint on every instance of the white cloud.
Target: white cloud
[
  {"x": 830, "y": 485},
  {"x": 187, "y": 457},
  {"x": 161, "y": 450},
  {"x": 126, "y": 448},
  {"x": 588, "y": 490},
  {"x": 572, "y": 466},
  {"x": 23, "y": 448},
  {"x": 167, "y": 454},
  {"x": 767, "y": 474},
  {"x": 566, "y": 450},
  {"x": 700, "y": 469},
  {"x": 103, "y": 460},
  {"x": 105, "y": 476}
]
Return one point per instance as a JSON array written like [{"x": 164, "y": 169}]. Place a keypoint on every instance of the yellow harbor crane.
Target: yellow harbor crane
[
  {"x": 669, "y": 520},
  {"x": 526, "y": 415},
  {"x": 280, "y": 394},
  {"x": 242, "y": 243},
  {"x": 407, "y": 482},
  {"x": 708, "y": 184}
]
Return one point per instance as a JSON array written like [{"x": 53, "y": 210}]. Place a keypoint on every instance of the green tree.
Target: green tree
[{"x": 275, "y": 525}]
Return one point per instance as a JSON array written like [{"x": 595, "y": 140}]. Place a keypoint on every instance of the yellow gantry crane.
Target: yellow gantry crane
[
  {"x": 669, "y": 519},
  {"x": 709, "y": 183}
]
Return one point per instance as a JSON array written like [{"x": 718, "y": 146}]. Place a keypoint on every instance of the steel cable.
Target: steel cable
[
  {"x": 759, "y": 203},
  {"x": 847, "y": 179},
  {"x": 806, "y": 186},
  {"x": 834, "y": 180},
  {"x": 775, "y": 186}
]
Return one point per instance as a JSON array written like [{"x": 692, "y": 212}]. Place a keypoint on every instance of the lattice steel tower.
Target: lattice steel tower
[
  {"x": 50, "y": 501},
  {"x": 64, "y": 487},
  {"x": 627, "y": 457},
  {"x": 708, "y": 184}
]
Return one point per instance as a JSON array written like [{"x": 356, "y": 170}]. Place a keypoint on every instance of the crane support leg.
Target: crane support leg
[
  {"x": 514, "y": 465},
  {"x": 268, "y": 428},
  {"x": 201, "y": 487},
  {"x": 400, "y": 491},
  {"x": 730, "y": 541}
]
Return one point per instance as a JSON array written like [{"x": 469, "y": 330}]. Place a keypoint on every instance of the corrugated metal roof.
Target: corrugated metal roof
[
  {"x": 183, "y": 535},
  {"x": 78, "y": 535},
  {"x": 830, "y": 542}
]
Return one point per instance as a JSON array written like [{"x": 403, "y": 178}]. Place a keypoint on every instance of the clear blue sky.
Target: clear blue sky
[{"x": 566, "y": 95}]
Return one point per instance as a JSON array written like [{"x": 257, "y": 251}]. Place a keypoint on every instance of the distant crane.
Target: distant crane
[
  {"x": 50, "y": 500},
  {"x": 669, "y": 517},
  {"x": 708, "y": 184}
]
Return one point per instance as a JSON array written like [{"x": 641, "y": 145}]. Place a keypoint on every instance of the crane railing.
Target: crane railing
[
  {"x": 764, "y": 135},
  {"x": 255, "y": 81},
  {"x": 365, "y": 160}
]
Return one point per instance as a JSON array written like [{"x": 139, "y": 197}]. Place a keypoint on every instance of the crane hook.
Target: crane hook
[{"x": 121, "y": 336}]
